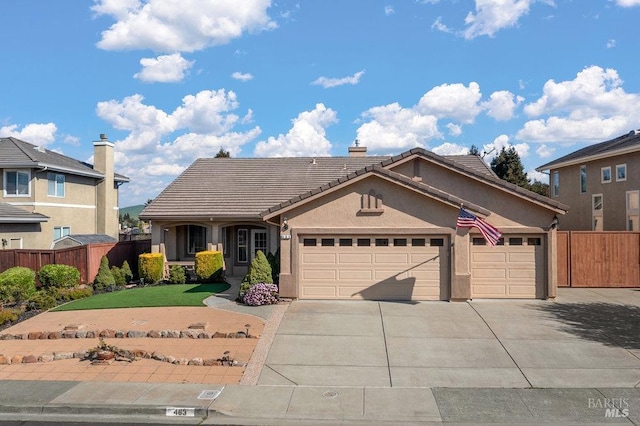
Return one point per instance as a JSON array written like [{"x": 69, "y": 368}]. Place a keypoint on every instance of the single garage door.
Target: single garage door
[
  {"x": 374, "y": 268},
  {"x": 512, "y": 269}
]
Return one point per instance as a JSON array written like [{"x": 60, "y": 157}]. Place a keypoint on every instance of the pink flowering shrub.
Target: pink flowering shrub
[{"x": 261, "y": 294}]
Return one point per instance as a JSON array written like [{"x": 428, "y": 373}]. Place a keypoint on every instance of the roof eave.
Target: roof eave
[{"x": 588, "y": 158}]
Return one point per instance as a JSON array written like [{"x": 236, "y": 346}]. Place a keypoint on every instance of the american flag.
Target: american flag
[{"x": 469, "y": 220}]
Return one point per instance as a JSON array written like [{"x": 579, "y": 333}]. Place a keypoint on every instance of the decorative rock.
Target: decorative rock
[
  {"x": 44, "y": 335},
  {"x": 241, "y": 335},
  {"x": 210, "y": 362},
  {"x": 231, "y": 335},
  {"x": 107, "y": 333},
  {"x": 170, "y": 359},
  {"x": 199, "y": 326},
  {"x": 81, "y": 334},
  {"x": 75, "y": 327},
  {"x": 34, "y": 335},
  {"x": 17, "y": 359},
  {"x": 139, "y": 353},
  {"x": 6, "y": 337},
  {"x": 174, "y": 334},
  {"x": 120, "y": 334},
  {"x": 81, "y": 355},
  {"x": 69, "y": 334},
  {"x": 154, "y": 334},
  {"x": 189, "y": 334},
  {"x": 54, "y": 335},
  {"x": 196, "y": 361},
  {"x": 105, "y": 355},
  {"x": 183, "y": 361},
  {"x": 4, "y": 360},
  {"x": 219, "y": 335},
  {"x": 91, "y": 334},
  {"x": 46, "y": 358},
  {"x": 62, "y": 355},
  {"x": 158, "y": 356},
  {"x": 20, "y": 336},
  {"x": 29, "y": 359},
  {"x": 136, "y": 333},
  {"x": 204, "y": 335}
]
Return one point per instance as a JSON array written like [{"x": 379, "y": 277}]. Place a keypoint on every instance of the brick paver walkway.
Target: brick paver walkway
[{"x": 144, "y": 370}]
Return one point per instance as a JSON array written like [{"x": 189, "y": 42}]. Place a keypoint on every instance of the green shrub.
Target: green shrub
[
  {"x": 104, "y": 280},
  {"x": 42, "y": 301},
  {"x": 151, "y": 267},
  {"x": 177, "y": 275},
  {"x": 17, "y": 285},
  {"x": 208, "y": 265},
  {"x": 118, "y": 276},
  {"x": 67, "y": 295},
  {"x": 274, "y": 262},
  {"x": 8, "y": 315},
  {"x": 259, "y": 272},
  {"x": 59, "y": 276},
  {"x": 126, "y": 270}
]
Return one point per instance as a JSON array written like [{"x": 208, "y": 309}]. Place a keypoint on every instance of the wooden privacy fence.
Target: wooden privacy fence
[
  {"x": 598, "y": 259},
  {"x": 85, "y": 258}
]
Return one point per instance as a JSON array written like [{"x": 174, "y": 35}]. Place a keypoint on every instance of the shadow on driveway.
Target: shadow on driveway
[{"x": 608, "y": 323}]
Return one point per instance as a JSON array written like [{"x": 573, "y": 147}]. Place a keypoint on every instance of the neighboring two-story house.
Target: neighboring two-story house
[
  {"x": 46, "y": 196},
  {"x": 600, "y": 184}
]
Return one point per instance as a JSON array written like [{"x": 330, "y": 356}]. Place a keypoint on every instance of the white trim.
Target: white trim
[
  {"x": 39, "y": 204},
  {"x": 589, "y": 158},
  {"x": 597, "y": 213},
  {"x": 17, "y": 171},
  {"x": 602, "y": 172}
]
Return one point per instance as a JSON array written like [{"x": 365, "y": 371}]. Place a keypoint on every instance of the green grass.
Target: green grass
[{"x": 145, "y": 297}]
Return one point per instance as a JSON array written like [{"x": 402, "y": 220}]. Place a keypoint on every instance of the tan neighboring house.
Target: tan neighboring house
[
  {"x": 600, "y": 183},
  {"x": 46, "y": 196},
  {"x": 361, "y": 227}
]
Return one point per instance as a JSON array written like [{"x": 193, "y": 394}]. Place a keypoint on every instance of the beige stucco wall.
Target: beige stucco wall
[{"x": 579, "y": 217}]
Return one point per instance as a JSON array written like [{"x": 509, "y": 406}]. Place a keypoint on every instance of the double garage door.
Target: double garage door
[
  {"x": 512, "y": 269},
  {"x": 374, "y": 268}
]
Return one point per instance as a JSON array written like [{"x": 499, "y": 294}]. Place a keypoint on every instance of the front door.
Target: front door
[{"x": 258, "y": 242}]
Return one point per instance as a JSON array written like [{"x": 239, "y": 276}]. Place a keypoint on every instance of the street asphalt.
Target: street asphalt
[{"x": 574, "y": 360}]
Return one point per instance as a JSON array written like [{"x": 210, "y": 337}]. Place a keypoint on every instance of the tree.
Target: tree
[
  {"x": 539, "y": 187},
  {"x": 223, "y": 154},
  {"x": 507, "y": 166},
  {"x": 474, "y": 150}
]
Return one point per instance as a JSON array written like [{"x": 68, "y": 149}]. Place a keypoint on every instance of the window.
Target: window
[
  {"x": 583, "y": 179},
  {"x": 479, "y": 242},
  {"x": 55, "y": 185},
  {"x": 382, "y": 242},
  {"x": 556, "y": 184},
  {"x": 621, "y": 172},
  {"x": 605, "y": 173},
  {"x": 597, "y": 211},
  {"x": 534, "y": 241},
  {"x": 60, "y": 231},
  {"x": 399, "y": 242},
  {"x": 364, "y": 242},
  {"x": 243, "y": 246},
  {"x": 346, "y": 242},
  {"x": 418, "y": 242},
  {"x": 327, "y": 242},
  {"x": 196, "y": 239},
  {"x": 436, "y": 242},
  {"x": 633, "y": 210},
  {"x": 309, "y": 242},
  {"x": 16, "y": 183},
  {"x": 515, "y": 241}
]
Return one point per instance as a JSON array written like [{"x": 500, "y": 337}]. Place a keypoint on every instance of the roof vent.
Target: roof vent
[
  {"x": 313, "y": 161},
  {"x": 635, "y": 132},
  {"x": 39, "y": 148},
  {"x": 103, "y": 137}
]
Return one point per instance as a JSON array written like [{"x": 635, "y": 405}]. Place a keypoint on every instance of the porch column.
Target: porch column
[
  {"x": 552, "y": 264},
  {"x": 461, "y": 267}
]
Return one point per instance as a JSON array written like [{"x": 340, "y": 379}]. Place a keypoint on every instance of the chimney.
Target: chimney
[
  {"x": 357, "y": 150},
  {"x": 106, "y": 191}
]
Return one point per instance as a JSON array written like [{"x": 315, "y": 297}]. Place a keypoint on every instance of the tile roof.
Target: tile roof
[
  {"x": 624, "y": 143},
  {"x": 236, "y": 188},
  {"x": 17, "y": 153},
  {"x": 13, "y": 214},
  {"x": 85, "y": 239}
]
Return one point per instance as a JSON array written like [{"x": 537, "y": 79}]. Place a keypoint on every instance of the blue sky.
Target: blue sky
[{"x": 172, "y": 80}]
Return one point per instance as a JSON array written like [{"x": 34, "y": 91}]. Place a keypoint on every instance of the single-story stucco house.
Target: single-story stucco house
[{"x": 364, "y": 227}]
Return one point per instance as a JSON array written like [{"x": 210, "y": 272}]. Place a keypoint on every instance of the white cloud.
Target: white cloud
[
  {"x": 393, "y": 128},
  {"x": 628, "y": 3},
  {"x": 611, "y": 43},
  {"x": 184, "y": 26},
  {"x": 327, "y": 82},
  {"x": 241, "y": 76},
  {"x": 438, "y": 25},
  {"x": 545, "y": 151},
  {"x": 158, "y": 145},
  {"x": 502, "y": 104},
  {"x": 454, "y": 129},
  {"x": 36, "y": 133},
  {"x": 503, "y": 141},
  {"x": 389, "y": 10},
  {"x": 494, "y": 15},
  {"x": 593, "y": 106},
  {"x": 448, "y": 148},
  {"x": 164, "y": 69},
  {"x": 452, "y": 100},
  {"x": 72, "y": 140},
  {"x": 307, "y": 136},
  {"x": 539, "y": 176}
]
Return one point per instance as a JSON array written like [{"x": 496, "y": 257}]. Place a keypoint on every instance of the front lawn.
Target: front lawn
[{"x": 145, "y": 297}]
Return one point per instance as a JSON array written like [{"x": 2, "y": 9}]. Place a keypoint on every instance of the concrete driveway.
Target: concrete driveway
[{"x": 586, "y": 338}]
